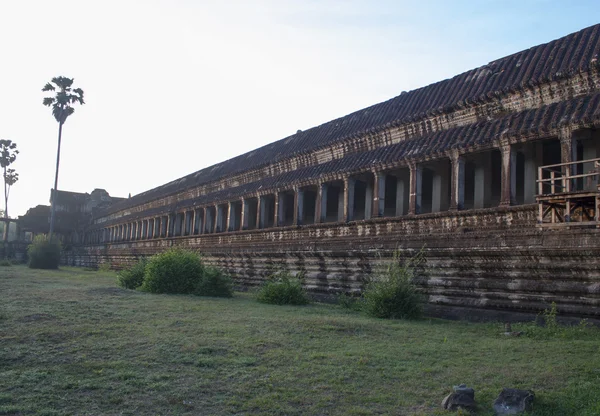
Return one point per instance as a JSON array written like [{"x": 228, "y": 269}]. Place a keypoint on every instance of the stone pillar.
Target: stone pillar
[
  {"x": 416, "y": 174},
  {"x": 508, "y": 177},
  {"x": 162, "y": 232},
  {"x": 378, "y": 194},
  {"x": 348, "y": 213},
  {"x": 298, "y": 206},
  {"x": 369, "y": 199},
  {"x": 245, "y": 214},
  {"x": 278, "y": 209},
  {"x": 321, "y": 203},
  {"x": 170, "y": 223},
  {"x": 566, "y": 146},
  {"x": 590, "y": 151},
  {"x": 457, "y": 187},
  {"x": 260, "y": 212},
  {"x": 201, "y": 220},
  {"x": 209, "y": 225},
  {"x": 230, "y": 217},
  {"x": 530, "y": 173},
  {"x": 218, "y": 216}
]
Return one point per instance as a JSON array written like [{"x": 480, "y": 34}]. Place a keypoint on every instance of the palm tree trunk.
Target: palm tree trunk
[
  {"x": 53, "y": 209},
  {"x": 6, "y": 223}
]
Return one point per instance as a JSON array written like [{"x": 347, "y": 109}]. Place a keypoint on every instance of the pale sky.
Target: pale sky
[{"x": 174, "y": 86}]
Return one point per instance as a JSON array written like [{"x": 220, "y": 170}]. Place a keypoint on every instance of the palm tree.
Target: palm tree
[
  {"x": 8, "y": 154},
  {"x": 62, "y": 108}
]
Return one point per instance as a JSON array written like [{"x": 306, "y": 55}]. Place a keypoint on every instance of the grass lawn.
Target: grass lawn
[{"x": 72, "y": 342}]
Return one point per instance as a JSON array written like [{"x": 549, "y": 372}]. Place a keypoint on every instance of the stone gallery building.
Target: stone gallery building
[{"x": 492, "y": 173}]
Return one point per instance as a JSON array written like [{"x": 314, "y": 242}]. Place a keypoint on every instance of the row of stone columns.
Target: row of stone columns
[{"x": 266, "y": 210}]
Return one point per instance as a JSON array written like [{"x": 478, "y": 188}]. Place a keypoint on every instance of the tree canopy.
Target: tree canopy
[{"x": 62, "y": 102}]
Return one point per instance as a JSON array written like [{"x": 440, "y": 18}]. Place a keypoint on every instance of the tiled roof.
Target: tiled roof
[
  {"x": 558, "y": 59},
  {"x": 579, "y": 111}
]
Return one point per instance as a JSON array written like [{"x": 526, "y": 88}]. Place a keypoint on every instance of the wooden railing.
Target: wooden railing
[
  {"x": 563, "y": 177},
  {"x": 568, "y": 195}
]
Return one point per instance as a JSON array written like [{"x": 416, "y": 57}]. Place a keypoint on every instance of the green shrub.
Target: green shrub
[
  {"x": 44, "y": 253},
  {"x": 546, "y": 326},
  {"x": 104, "y": 267},
  {"x": 174, "y": 271},
  {"x": 5, "y": 263},
  {"x": 391, "y": 293},
  {"x": 282, "y": 289},
  {"x": 133, "y": 277},
  {"x": 214, "y": 283}
]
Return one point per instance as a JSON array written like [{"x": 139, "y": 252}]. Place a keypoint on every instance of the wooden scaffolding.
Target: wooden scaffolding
[{"x": 568, "y": 194}]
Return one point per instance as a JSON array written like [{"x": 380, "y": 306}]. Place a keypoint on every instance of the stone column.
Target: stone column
[
  {"x": 416, "y": 173},
  {"x": 590, "y": 151},
  {"x": 245, "y": 215},
  {"x": 169, "y": 225},
  {"x": 566, "y": 146},
  {"x": 260, "y": 212},
  {"x": 218, "y": 216},
  {"x": 508, "y": 177},
  {"x": 298, "y": 206},
  {"x": 529, "y": 173},
  {"x": 321, "y": 204},
  {"x": 348, "y": 199},
  {"x": 278, "y": 209},
  {"x": 457, "y": 187},
  {"x": 201, "y": 220},
  {"x": 567, "y": 155},
  {"x": 378, "y": 194},
  {"x": 230, "y": 217},
  {"x": 369, "y": 198}
]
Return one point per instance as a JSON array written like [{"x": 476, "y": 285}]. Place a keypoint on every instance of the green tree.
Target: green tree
[
  {"x": 62, "y": 107},
  {"x": 8, "y": 154}
]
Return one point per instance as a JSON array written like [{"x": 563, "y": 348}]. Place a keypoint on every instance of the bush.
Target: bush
[
  {"x": 44, "y": 253},
  {"x": 392, "y": 293},
  {"x": 133, "y": 277},
  {"x": 104, "y": 267},
  {"x": 5, "y": 263},
  {"x": 282, "y": 289},
  {"x": 174, "y": 271},
  {"x": 214, "y": 283},
  {"x": 546, "y": 326}
]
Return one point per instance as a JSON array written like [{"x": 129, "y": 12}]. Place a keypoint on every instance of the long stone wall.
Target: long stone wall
[
  {"x": 488, "y": 263},
  {"x": 449, "y": 169}
]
